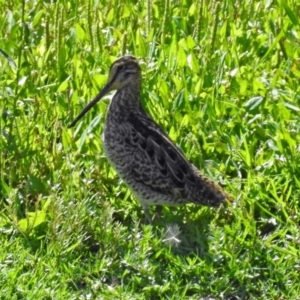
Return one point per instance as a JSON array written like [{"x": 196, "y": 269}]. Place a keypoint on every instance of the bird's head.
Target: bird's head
[{"x": 124, "y": 71}]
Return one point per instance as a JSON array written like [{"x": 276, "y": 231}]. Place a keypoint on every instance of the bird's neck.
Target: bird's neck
[{"x": 125, "y": 102}]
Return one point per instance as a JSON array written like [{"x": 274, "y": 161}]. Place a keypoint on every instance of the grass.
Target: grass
[{"x": 221, "y": 78}]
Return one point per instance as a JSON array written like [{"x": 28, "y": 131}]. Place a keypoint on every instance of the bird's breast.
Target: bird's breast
[{"x": 116, "y": 149}]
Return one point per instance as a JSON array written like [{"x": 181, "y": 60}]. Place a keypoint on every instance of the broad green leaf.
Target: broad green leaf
[
  {"x": 9, "y": 59},
  {"x": 80, "y": 33},
  {"x": 193, "y": 62},
  {"x": 22, "y": 81},
  {"x": 141, "y": 44},
  {"x": 181, "y": 57},
  {"x": 37, "y": 18},
  {"x": 63, "y": 86},
  {"x": 291, "y": 106},
  {"x": 190, "y": 42},
  {"x": 254, "y": 102},
  {"x": 290, "y": 13},
  {"x": 110, "y": 16}
]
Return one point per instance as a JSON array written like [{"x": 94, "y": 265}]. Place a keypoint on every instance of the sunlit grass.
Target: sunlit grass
[{"x": 221, "y": 78}]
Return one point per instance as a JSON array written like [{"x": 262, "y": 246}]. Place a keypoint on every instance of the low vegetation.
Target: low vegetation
[{"x": 221, "y": 78}]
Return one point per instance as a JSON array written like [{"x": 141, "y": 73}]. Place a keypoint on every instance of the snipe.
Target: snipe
[{"x": 151, "y": 165}]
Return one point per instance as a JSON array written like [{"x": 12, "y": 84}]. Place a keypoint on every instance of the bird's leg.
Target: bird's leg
[
  {"x": 157, "y": 213},
  {"x": 158, "y": 209},
  {"x": 148, "y": 219}
]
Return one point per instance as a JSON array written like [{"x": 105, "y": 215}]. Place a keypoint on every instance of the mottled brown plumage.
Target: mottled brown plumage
[{"x": 151, "y": 165}]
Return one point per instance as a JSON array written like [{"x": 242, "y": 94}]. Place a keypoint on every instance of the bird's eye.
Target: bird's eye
[{"x": 121, "y": 68}]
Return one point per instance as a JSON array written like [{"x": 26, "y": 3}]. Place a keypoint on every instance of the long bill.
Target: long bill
[{"x": 103, "y": 92}]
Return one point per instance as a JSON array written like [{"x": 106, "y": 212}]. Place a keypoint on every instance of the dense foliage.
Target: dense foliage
[{"x": 221, "y": 78}]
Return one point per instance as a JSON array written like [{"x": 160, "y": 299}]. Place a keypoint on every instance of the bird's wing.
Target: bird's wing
[{"x": 171, "y": 168}]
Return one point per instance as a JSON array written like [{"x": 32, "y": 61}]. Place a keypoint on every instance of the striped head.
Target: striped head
[{"x": 124, "y": 71}]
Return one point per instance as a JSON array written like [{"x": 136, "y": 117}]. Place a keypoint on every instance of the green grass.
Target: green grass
[{"x": 221, "y": 78}]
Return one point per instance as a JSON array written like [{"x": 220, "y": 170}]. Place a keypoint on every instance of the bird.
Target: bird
[{"x": 146, "y": 159}]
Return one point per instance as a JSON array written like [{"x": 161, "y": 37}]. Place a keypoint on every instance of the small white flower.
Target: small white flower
[{"x": 171, "y": 236}]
